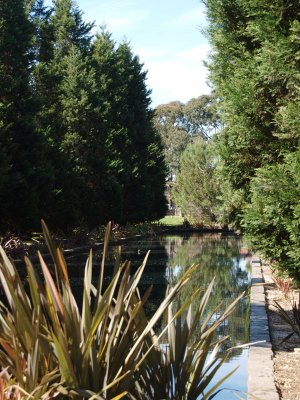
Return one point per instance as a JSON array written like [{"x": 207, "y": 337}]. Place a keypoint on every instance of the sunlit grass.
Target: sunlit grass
[{"x": 171, "y": 220}]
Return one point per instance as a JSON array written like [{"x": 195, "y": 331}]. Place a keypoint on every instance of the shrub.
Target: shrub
[
  {"x": 292, "y": 319},
  {"x": 105, "y": 348},
  {"x": 271, "y": 221}
]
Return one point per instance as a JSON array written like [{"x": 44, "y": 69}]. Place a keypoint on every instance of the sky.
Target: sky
[{"x": 167, "y": 36}]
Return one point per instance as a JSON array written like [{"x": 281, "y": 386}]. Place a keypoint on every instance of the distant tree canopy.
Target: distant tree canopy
[
  {"x": 255, "y": 70},
  {"x": 77, "y": 142},
  {"x": 178, "y": 124}
]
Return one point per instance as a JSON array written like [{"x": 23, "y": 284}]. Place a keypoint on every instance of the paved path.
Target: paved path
[{"x": 260, "y": 363}]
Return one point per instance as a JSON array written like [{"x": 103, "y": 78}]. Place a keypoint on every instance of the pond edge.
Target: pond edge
[{"x": 260, "y": 360}]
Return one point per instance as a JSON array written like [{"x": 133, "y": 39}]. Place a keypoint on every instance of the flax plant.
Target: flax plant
[
  {"x": 183, "y": 364},
  {"x": 106, "y": 348},
  {"x": 291, "y": 318}
]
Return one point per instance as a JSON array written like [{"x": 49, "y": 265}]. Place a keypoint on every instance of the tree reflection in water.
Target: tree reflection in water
[{"x": 218, "y": 256}]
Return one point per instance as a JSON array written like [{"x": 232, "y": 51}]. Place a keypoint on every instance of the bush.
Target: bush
[
  {"x": 106, "y": 348},
  {"x": 271, "y": 221},
  {"x": 197, "y": 188}
]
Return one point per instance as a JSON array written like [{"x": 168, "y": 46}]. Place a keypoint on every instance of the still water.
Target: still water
[{"x": 218, "y": 256}]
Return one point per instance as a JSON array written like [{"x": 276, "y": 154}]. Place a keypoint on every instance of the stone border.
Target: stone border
[{"x": 260, "y": 362}]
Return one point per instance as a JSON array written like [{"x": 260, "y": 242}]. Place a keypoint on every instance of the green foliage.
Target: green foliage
[
  {"x": 202, "y": 116},
  {"x": 168, "y": 121},
  {"x": 171, "y": 220},
  {"x": 255, "y": 73},
  {"x": 141, "y": 169},
  {"x": 292, "y": 320},
  {"x": 105, "y": 348},
  {"x": 178, "y": 123},
  {"x": 197, "y": 188},
  {"x": 23, "y": 165},
  {"x": 254, "y": 67},
  {"x": 179, "y": 362},
  {"x": 69, "y": 28},
  {"x": 272, "y": 219},
  {"x": 76, "y": 124}
]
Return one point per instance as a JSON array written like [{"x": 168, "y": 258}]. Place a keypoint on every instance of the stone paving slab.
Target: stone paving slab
[{"x": 260, "y": 362}]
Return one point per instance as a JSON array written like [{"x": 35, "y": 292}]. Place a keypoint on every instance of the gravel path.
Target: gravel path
[{"x": 286, "y": 355}]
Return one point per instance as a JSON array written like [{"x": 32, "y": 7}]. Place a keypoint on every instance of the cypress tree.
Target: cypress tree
[
  {"x": 24, "y": 177},
  {"x": 61, "y": 80},
  {"x": 133, "y": 151},
  {"x": 39, "y": 15},
  {"x": 141, "y": 148},
  {"x": 82, "y": 108},
  {"x": 255, "y": 69},
  {"x": 108, "y": 132}
]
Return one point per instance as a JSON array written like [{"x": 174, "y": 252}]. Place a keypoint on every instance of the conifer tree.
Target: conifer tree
[
  {"x": 137, "y": 139},
  {"x": 24, "y": 178},
  {"x": 107, "y": 138},
  {"x": 197, "y": 187},
  {"x": 69, "y": 28},
  {"x": 64, "y": 104},
  {"x": 133, "y": 151},
  {"x": 76, "y": 134},
  {"x": 39, "y": 15},
  {"x": 255, "y": 69}
]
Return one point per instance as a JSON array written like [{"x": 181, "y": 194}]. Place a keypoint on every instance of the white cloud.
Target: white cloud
[
  {"x": 160, "y": 33},
  {"x": 146, "y": 54},
  {"x": 178, "y": 78},
  {"x": 194, "y": 55},
  {"x": 121, "y": 23}
]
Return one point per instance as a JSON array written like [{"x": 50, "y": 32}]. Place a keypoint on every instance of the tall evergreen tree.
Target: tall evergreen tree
[
  {"x": 23, "y": 177},
  {"x": 255, "y": 69},
  {"x": 61, "y": 82},
  {"x": 140, "y": 146},
  {"x": 131, "y": 146},
  {"x": 69, "y": 28},
  {"x": 105, "y": 147},
  {"x": 83, "y": 108},
  {"x": 39, "y": 15}
]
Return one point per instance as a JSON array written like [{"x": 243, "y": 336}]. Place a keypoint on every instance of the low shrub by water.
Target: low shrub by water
[{"x": 105, "y": 348}]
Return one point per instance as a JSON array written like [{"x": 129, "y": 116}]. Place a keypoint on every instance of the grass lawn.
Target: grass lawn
[{"x": 171, "y": 220}]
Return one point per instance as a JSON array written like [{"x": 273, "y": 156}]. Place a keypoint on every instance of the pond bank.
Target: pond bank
[
  {"x": 260, "y": 364},
  {"x": 82, "y": 239},
  {"x": 273, "y": 366},
  {"x": 286, "y": 358}
]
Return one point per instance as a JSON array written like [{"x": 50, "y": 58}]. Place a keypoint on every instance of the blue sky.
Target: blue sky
[{"x": 166, "y": 34}]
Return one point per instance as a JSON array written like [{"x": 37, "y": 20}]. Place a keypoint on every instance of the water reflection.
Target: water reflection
[{"x": 218, "y": 257}]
